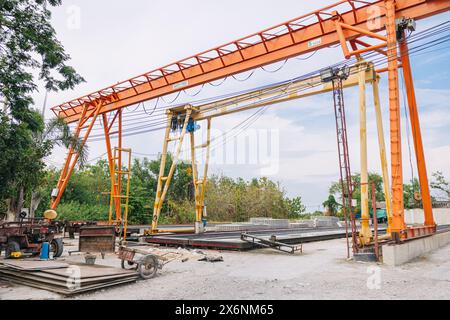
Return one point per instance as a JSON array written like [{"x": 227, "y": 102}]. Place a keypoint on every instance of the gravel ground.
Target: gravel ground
[{"x": 321, "y": 272}]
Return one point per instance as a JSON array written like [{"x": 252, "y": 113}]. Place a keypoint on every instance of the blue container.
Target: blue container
[{"x": 45, "y": 251}]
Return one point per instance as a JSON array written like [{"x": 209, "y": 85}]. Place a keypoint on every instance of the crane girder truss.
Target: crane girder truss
[
  {"x": 348, "y": 21},
  {"x": 307, "y": 33}
]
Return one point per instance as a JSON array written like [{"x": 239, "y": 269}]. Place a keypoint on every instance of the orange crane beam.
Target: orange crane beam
[{"x": 286, "y": 40}]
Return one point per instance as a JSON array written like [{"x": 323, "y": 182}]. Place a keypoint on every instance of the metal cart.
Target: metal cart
[{"x": 144, "y": 262}]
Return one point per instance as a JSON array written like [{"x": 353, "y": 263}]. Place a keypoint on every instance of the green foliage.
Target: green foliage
[
  {"x": 409, "y": 190},
  {"x": 21, "y": 161},
  {"x": 239, "y": 200},
  {"x": 335, "y": 189},
  {"x": 310, "y": 216},
  {"x": 87, "y": 196},
  {"x": 74, "y": 210},
  {"x": 331, "y": 205},
  {"x": 179, "y": 212},
  {"x": 296, "y": 207},
  {"x": 27, "y": 42}
]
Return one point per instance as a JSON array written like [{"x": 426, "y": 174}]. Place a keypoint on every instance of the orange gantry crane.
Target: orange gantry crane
[{"x": 347, "y": 22}]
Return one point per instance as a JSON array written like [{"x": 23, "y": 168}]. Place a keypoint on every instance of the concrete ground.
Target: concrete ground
[{"x": 321, "y": 272}]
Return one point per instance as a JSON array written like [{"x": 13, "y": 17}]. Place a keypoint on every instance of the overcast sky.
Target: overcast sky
[{"x": 110, "y": 41}]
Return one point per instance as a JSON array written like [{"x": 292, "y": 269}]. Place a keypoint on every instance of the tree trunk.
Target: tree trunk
[
  {"x": 35, "y": 201},
  {"x": 19, "y": 204}
]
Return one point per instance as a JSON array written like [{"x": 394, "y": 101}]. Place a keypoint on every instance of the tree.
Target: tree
[
  {"x": 27, "y": 43},
  {"x": 22, "y": 163},
  {"x": 335, "y": 189},
  {"x": 331, "y": 205},
  {"x": 441, "y": 184},
  {"x": 57, "y": 132},
  {"x": 296, "y": 207}
]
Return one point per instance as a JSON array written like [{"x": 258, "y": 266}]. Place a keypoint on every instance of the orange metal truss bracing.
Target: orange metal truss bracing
[{"x": 304, "y": 34}]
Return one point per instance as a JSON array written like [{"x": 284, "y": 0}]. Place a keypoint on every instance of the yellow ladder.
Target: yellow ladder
[{"x": 119, "y": 202}]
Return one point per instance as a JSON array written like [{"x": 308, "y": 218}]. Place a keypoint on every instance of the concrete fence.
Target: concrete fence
[{"x": 415, "y": 216}]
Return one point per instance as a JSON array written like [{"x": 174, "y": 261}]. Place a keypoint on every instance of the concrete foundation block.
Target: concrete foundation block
[
  {"x": 398, "y": 254},
  {"x": 308, "y": 223},
  {"x": 326, "y": 222},
  {"x": 271, "y": 223}
]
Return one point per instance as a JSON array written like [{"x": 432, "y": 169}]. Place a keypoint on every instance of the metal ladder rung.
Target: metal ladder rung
[
  {"x": 173, "y": 139},
  {"x": 203, "y": 146},
  {"x": 122, "y": 197},
  {"x": 123, "y": 172}
]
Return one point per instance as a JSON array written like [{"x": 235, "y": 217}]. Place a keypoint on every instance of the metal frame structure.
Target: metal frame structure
[
  {"x": 113, "y": 161},
  {"x": 345, "y": 21},
  {"x": 344, "y": 160},
  {"x": 178, "y": 120},
  {"x": 117, "y": 198}
]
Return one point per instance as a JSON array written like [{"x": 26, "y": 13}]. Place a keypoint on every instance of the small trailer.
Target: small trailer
[
  {"x": 144, "y": 262},
  {"x": 28, "y": 235}
]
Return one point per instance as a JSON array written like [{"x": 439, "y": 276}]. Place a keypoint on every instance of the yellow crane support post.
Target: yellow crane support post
[
  {"x": 383, "y": 156},
  {"x": 365, "y": 234}
]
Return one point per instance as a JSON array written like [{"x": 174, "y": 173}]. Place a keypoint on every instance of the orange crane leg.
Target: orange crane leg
[{"x": 417, "y": 135}]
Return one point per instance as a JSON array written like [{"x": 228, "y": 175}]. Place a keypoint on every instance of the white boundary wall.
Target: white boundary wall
[{"x": 415, "y": 216}]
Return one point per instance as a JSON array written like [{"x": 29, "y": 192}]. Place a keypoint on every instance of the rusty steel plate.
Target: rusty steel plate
[{"x": 97, "y": 239}]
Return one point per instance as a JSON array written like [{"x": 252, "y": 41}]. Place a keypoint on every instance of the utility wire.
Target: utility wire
[{"x": 413, "y": 51}]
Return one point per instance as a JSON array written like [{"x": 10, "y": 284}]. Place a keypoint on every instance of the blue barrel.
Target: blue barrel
[{"x": 45, "y": 251}]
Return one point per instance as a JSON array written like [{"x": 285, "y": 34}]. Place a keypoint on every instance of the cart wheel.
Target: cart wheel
[
  {"x": 128, "y": 265},
  {"x": 148, "y": 267},
  {"x": 57, "y": 247}
]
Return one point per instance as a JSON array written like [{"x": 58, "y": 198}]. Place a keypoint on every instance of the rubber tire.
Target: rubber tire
[
  {"x": 148, "y": 267},
  {"x": 11, "y": 246},
  {"x": 58, "y": 247}
]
